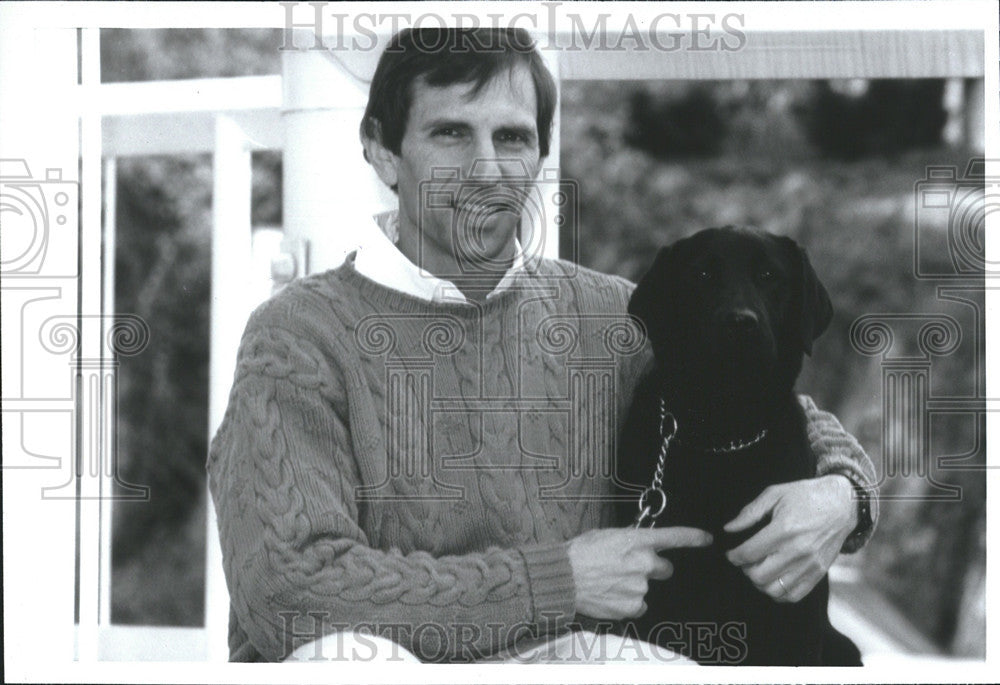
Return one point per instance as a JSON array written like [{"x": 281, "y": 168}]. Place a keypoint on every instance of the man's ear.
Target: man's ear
[
  {"x": 384, "y": 161},
  {"x": 816, "y": 310}
]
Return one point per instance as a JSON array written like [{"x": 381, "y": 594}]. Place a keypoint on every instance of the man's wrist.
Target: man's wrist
[
  {"x": 860, "y": 499},
  {"x": 846, "y": 487}
]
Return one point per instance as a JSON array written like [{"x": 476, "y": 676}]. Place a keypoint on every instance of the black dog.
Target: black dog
[{"x": 729, "y": 313}]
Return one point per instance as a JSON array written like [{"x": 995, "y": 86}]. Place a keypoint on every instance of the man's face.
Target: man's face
[{"x": 465, "y": 166}]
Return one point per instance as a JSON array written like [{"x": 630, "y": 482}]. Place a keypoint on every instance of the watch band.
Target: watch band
[
  {"x": 864, "y": 500},
  {"x": 863, "y": 494}
]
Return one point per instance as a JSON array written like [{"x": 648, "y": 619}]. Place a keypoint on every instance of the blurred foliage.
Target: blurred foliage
[
  {"x": 163, "y": 274},
  {"x": 857, "y": 221},
  {"x": 164, "y": 54},
  {"x": 888, "y": 116},
  {"x": 687, "y": 126}
]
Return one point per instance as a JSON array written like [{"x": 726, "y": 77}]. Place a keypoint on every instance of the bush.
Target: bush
[
  {"x": 889, "y": 117},
  {"x": 687, "y": 126}
]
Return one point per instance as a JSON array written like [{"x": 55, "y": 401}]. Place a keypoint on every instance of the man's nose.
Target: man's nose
[
  {"x": 485, "y": 167},
  {"x": 485, "y": 163}
]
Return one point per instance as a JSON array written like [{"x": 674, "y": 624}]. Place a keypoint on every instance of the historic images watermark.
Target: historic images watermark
[
  {"x": 556, "y": 25},
  {"x": 80, "y": 395},
  {"x": 951, "y": 206},
  {"x": 722, "y": 644}
]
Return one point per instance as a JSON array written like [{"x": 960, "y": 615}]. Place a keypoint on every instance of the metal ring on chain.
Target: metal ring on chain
[
  {"x": 641, "y": 519},
  {"x": 664, "y": 415},
  {"x": 644, "y": 502}
]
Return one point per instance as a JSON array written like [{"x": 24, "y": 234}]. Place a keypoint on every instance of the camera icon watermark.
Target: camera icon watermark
[
  {"x": 60, "y": 384},
  {"x": 30, "y": 209},
  {"x": 479, "y": 213},
  {"x": 95, "y": 400},
  {"x": 950, "y": 210},
  {"x": 952, "y": 206}
]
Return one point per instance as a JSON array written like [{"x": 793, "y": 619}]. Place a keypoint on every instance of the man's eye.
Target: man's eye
[
  {"x": 447, "y": 132},
  {"x": 513, "y": 138}
]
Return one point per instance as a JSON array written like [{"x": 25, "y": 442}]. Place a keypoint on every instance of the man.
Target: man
[{"x": 404, "y": 454}]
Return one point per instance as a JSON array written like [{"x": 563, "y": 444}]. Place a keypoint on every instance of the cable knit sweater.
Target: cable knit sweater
[{"x": 416, "y": 469}]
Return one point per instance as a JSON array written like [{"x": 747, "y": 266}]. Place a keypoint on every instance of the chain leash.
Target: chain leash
[{"x": 647, "y": 512}]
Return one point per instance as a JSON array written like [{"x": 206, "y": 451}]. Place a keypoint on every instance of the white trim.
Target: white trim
[
  {"x": 183, "y": 95},
  {"x": 93, "y": 368},
  {"x": 793, "y": 55},
  {"x": 232, "y": 302},
  {"x": 151, "y": 643},
  {"x": 329, "y": 191},
  {"x": 186, "y": 132},
  {"x": 546, "y": 243},
  {"x": 109, "y": 402}
]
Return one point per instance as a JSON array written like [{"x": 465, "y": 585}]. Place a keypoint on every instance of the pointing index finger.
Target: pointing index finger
[{"x": 670, "y": 538}]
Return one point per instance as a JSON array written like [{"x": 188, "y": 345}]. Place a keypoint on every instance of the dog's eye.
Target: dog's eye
[
  {"x": 704, "y": 274},
  {"x": 765, "y": 275}
]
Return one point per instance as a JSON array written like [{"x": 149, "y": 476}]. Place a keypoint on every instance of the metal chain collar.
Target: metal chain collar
[{"x": 647, "y": 513}]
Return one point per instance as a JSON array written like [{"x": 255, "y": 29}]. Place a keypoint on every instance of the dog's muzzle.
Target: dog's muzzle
[{"x": 740, "y": 323}]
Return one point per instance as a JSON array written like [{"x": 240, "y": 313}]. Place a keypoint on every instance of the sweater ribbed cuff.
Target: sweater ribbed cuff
[{"x": 550, "y": 579}]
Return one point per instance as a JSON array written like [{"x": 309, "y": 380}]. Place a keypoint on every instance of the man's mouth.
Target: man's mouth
[{"x": 488, "y": 200}]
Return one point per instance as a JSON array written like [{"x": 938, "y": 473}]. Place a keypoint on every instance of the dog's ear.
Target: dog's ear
[
  {"x": 649, "y": 300},
  {"x": 816, "y": 310}
]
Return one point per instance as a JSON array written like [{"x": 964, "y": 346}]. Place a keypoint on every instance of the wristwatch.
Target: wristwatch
[
  {"x": 863, "y": 497},
  {"x": 864, "y": 500}
]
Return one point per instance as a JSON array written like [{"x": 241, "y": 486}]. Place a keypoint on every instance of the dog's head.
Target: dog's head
[{"x": 732, "y": 305}]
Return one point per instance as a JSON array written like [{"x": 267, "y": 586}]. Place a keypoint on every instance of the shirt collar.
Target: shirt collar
[{"x": 379, "y": 259}]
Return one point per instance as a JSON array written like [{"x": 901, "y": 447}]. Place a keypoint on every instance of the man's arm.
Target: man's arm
[
  {"x": 838, "y": 452},
  {"x": 283, "y": 477},
  {"x": 811, "y": 520}
]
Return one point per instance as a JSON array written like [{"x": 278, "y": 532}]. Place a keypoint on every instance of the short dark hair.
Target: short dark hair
[{"x": 444, "y": 56}]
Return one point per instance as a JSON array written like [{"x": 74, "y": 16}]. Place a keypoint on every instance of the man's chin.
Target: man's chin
[
  {"x": 486, "y": 227},
  {"x": 488, "y": 251}
]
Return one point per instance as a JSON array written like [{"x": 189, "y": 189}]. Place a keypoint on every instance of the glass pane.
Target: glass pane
[{"x": 163, "y": 274}]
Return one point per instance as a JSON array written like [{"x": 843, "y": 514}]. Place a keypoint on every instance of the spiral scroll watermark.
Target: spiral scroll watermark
[
  {"x": 60, "y": 386},
  {"x": 95, "y": 398},
  {"x": 457, "y": 387},
  {"x": 951, "y": 208}
]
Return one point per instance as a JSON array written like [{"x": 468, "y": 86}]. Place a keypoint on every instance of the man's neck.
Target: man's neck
[{"x": 475, "y": 281}]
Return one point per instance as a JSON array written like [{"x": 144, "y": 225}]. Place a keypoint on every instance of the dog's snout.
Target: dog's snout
[{"x": 740, "y": 321}]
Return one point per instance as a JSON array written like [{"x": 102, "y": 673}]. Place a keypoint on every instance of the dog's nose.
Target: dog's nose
[{"x": 740, "y": 322}]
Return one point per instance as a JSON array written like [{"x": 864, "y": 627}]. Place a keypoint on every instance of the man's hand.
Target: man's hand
[
  {"x": 612, "y": 567},
  {"x": 810, "y": 519}
]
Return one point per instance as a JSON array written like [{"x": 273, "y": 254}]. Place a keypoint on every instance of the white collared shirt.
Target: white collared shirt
[{"x": 379, "y": 259}]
